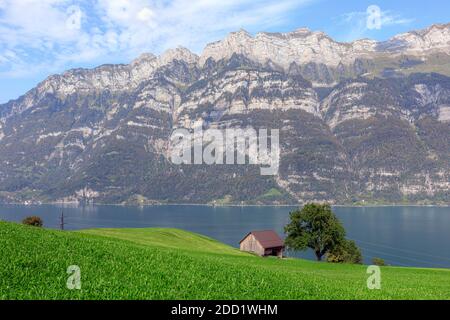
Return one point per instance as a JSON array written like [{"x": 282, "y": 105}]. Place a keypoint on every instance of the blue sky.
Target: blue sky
[{"x": 42, "y": 37}]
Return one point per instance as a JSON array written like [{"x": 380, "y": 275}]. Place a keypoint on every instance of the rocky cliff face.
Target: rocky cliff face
[
  {"x": 325, "y": 61},
  {"x": 363, "y": 121}
]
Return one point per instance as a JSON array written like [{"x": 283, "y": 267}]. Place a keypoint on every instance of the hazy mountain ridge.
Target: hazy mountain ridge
[{"x": 102, "y": 134}]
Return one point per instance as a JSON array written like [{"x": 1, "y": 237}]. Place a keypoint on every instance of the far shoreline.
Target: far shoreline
[{"x": 78, "y": 204}]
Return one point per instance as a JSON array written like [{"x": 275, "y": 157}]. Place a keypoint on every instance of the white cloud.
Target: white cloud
[
  {"x": 52, "y": 34},
  {"x": 146, "y": 15}
]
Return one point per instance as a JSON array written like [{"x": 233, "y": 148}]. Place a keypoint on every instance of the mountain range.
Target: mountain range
[{"x": 365, "y": 122}]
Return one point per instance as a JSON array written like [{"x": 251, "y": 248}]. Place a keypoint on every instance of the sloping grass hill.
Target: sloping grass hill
[{"x": 174, "y": 264}]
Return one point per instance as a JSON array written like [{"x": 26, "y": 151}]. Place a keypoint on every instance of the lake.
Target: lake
[{"x": 402, "y": 236}]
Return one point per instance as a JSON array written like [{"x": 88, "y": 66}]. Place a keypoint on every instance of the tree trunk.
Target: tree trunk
[{"x": 319, "y": 255}]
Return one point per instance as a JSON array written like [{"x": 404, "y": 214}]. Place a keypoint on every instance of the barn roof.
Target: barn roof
[{"x": 268, "y": 239}]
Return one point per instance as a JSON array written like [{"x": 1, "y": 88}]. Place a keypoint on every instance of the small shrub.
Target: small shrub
[
  {"x": 346, "y": 252},
  {"x": 378, "y": 262},
  {"x": 33, "y": 221}
]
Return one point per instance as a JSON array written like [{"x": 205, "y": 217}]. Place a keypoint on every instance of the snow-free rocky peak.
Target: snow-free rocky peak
[{"x": 304, "y": 46}]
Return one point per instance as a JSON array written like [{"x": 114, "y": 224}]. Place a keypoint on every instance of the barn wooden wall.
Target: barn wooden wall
[{"x": 251, "y": 245}]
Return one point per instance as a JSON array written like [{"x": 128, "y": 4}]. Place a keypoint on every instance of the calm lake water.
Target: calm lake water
[{"x": 403, "y": 236}]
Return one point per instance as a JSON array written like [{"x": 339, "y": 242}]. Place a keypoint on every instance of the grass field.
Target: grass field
[{"x": 174, "y": 264}]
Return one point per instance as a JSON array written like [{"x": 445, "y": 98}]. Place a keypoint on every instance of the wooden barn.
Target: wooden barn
[{"x": 263, "y": 243}]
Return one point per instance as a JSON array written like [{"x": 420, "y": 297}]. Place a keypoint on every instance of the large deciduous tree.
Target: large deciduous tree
[{"x": 314, "y": 226}]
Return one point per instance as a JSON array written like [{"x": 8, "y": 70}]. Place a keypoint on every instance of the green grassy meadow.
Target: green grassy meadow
[{"x": 174, "y": 264}]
